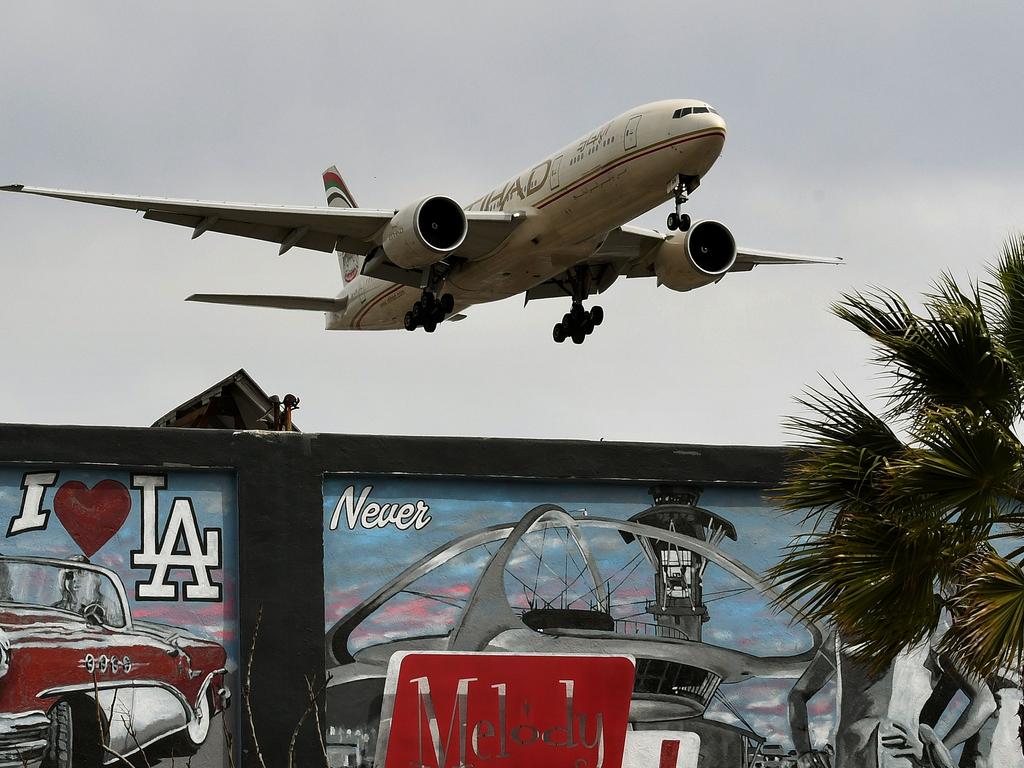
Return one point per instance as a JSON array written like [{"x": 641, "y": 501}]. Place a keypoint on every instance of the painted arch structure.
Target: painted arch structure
[{"x": 677, "y": 676}]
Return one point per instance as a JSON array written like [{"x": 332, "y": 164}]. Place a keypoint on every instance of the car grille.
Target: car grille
[{"x": 22, "y": 739}]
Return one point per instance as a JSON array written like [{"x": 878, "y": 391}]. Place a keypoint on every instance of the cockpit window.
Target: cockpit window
[{"x": 693, "y": 111}]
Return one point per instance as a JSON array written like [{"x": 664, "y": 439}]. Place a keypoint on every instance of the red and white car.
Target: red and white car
[{"x": 80, "y": 680}]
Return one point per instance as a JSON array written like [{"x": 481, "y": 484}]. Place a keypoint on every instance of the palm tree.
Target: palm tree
[{"x": 913, "y": 511}]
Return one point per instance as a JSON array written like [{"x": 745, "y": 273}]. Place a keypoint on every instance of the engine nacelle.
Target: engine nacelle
[
  {"x": 424, "y": 232},
  {"x": 697, "y": 257}
]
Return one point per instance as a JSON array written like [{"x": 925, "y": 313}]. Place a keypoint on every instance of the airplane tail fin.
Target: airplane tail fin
[{"x": 339, "y": 196}]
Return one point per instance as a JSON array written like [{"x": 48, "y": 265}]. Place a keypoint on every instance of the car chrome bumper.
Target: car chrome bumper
[{"x": 23, "y": 739}]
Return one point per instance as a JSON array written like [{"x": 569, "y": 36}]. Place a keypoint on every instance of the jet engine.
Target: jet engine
[
  {"x": 699, "y": 256},
  {"x": 424, "y": 232}
]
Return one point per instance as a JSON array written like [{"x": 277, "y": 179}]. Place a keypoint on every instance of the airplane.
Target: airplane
[{"x": 557, "y": 229}]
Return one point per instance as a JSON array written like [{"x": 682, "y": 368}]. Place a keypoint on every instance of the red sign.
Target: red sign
[{"x": 443, "y": 710}]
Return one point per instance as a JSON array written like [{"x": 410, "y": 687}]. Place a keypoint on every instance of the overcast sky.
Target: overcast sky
[{"x": 888, "y": 134}]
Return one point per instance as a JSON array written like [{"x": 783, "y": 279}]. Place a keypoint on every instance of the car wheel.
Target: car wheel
[
  {"x": 60, "y": 746},
  {"x": 198, "y": 728},
  {"x": 76, "y": 737}
]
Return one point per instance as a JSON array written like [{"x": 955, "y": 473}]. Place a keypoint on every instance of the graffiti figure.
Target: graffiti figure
[
  {"x": 997, "y": 744},
  {"x": 80, "y": 592},
  {"x": 880, "y": 723}
]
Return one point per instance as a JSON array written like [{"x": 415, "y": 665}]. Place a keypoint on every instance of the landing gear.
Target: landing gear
[
  {"x": 578, "y": 323},
  {"x": 680, "y": 221},
  {"x": 680, "y": 193},
  {"x": 429, "y": 311}
]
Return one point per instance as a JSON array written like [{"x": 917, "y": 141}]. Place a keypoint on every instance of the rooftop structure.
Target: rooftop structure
[{"x": 236, "y": 402}]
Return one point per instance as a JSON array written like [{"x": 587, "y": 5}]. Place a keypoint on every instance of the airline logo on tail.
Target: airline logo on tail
[{"x": 339, "y": 196}]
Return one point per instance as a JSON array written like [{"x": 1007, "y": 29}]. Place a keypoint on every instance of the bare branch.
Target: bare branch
[
  {"x": 313, "y": 698},
  {"x": 247, "y": 690},
  {"x": 229, "y": 742},
  {"x": 131, "y": 732},
  {"x": 310, "y": 708},
  {"x": 121, "y": 758}
]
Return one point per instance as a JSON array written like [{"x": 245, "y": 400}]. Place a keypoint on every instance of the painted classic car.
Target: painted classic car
[{"x": 81, "y": 682}]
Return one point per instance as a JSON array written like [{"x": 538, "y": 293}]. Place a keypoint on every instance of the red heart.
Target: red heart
[{"x": 92, "y": 517}]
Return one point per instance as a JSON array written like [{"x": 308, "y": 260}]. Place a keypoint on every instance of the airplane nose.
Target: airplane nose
[
  {"x": 714, "y": 119},
  {"x": 699, "y": 116}
]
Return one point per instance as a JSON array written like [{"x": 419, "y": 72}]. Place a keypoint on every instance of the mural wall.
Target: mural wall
[
  {"x": 118, "y": 616},
  {"x": 422, "y": 575}
]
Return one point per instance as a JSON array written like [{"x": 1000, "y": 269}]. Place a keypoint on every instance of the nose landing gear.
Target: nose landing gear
[{"x": 680, "y": 192}]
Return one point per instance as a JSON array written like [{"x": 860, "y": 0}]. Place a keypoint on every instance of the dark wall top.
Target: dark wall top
[{"x": 443, "y": 456}]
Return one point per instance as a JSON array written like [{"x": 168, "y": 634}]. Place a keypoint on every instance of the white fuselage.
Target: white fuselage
[{"x": 571, "y": 200}]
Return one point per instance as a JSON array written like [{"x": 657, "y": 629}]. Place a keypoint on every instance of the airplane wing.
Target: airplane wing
[
  {"x": 633, "y": 248},
  {"x": 313, "y": 303},
  {"x": 351, "y": 230},
  {"x": 629, "y": 251}
]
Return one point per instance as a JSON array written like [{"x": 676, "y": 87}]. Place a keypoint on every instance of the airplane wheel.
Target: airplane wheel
[
  {"x": 417, "y": 309},
  {"x": 597, "y": 315},
  {"x": 684, "y": 222},
  {"x": 673, "y": 221},
  {"x": 428, "y": 301},
  {"x": 410, "y": 322},
  {"x": 430, "y": 326},
  {"x": 558, "y": 333},
  {"x": 447, "y": 303},
  {"x": 576, "y": 314},
  {"x": 566, "y": 319},
  {"x": 578, "y": 337},
  {"x": 588, "y": 326}
]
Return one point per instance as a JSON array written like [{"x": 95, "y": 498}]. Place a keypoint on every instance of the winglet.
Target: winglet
[{"x": 12, "y": 188}]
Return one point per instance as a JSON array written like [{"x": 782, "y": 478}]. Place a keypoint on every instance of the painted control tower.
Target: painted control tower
[{"x": 678, "y": 605}]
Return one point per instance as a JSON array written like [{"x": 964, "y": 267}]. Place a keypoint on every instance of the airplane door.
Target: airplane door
[
  {"x": 629, "y": 137},
  {"x": 554, "y": 172}
]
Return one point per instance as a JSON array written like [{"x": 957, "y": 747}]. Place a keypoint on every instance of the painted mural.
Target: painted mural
[
  {"x": 433, "y": 587},
  {"x": 118, "y": 617}
]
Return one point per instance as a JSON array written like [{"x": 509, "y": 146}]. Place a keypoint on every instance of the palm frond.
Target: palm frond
[
  {"x": 873, "y": 577},
  {"x": 987, "y": 632},
  {"x": 963, "y": 466},
  {"x": 879, "y": 313},
  {"x": 1006, "y": 296},
  {"x": 846, "y": 449},
  {"x": 945, "y": 357}
]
